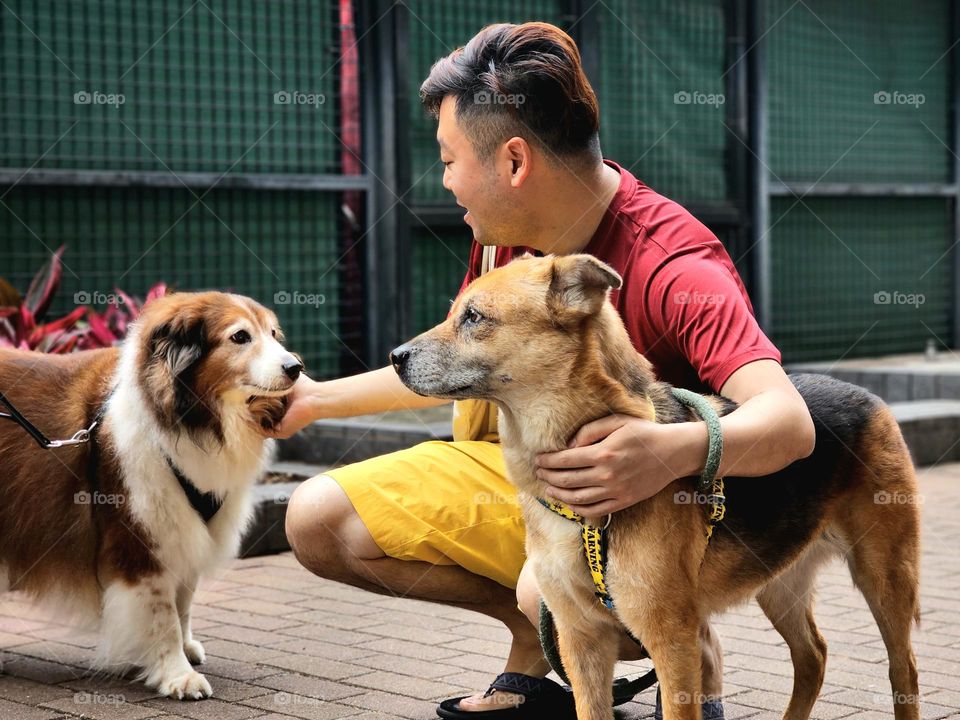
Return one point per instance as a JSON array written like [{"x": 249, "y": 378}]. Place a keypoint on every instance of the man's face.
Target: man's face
[{"x": 481, "y": 187}]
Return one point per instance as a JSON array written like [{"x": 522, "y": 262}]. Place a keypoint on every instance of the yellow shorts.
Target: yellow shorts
[{"x": 444, "y": 503}]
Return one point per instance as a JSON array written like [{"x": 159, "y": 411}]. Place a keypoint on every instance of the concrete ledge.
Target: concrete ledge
[
  {"x": 895, "y": 378},
  {"x": 266, "y": 535},
  {"x": 931, "y": 429},
  {"x": 349, "y": 440}
]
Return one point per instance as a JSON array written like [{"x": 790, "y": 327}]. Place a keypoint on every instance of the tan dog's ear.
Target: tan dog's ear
[{"x": 579, "y": 284}]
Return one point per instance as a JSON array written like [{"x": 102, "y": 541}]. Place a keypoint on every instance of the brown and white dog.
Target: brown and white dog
[
  {"x": 556, "y": 357},
  {"x": 113, "y": 532}
]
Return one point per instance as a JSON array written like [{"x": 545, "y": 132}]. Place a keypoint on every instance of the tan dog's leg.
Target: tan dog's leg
[
  {"x": 711, "y": 673},
  {"x": 671, "y": 634},
  {"x": 589, "y": 645},
  {"x": 884, "y": 565},
  {"x": 787, "y": 601}
]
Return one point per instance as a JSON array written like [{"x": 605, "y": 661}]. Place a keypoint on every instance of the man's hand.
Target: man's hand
[
  {"x": 617, "y": 461},
  {"x": 300, "y": 412}
]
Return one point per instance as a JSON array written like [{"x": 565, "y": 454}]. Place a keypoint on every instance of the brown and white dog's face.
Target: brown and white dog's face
[
  {"x": 199, "y": 353},
  {"x": 509, "y": 329}
]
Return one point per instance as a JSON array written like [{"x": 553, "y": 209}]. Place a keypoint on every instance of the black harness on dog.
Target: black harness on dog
[{"x": 205, "y": 504}]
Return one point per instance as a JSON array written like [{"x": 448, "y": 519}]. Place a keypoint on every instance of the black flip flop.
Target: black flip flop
[{"x": 540, "y": 697}]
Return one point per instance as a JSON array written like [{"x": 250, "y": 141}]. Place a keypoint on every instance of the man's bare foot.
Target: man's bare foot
[{"x": 497, "y": 700}]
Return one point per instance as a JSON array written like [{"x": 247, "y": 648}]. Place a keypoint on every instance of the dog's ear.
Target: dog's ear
[
  {"x": 579, "y": 284},
  {"x": 179, "y": 343},
  {"x": 173, "y": 351}
]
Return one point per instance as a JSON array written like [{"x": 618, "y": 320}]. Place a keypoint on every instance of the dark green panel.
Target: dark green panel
[
  {"x": 827, "y": 63},
  {"x": 278, "y": 247},
  {"x": 198, "y": 84},
  {"x": 844, "y": 271},
  {"x": 438, "y": 27},
  {"x": 661, "y": 91},
  {"x": 438, "y": 266}
]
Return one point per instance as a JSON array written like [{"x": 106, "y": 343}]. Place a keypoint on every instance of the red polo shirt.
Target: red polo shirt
[{"x": 682, "y": 300}]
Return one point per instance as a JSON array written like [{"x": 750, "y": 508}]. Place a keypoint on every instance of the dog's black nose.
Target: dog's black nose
[
  {"x": 399, "y": 357},
  {"x": 292, "y": 368}
]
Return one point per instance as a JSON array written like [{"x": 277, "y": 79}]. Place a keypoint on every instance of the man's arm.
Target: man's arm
[
  {"x": 370, "y": 392},
  {"x": 635, "y": 459}
]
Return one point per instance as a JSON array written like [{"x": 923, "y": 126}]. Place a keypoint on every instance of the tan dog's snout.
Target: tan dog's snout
[{"x": 513, "y": 321}]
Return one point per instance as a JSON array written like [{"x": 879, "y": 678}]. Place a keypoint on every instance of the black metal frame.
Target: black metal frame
[
  {"x": 197, "y": 180},
  {"x": 954, "y": 144}
]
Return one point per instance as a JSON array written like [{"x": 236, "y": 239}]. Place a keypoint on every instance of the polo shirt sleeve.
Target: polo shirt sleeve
[{"x": 697, "y": 305}]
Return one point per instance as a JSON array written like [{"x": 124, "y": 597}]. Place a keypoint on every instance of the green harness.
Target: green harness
[{"x": 595, "y": 537}]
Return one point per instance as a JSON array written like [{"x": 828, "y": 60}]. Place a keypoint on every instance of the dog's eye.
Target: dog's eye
[
  {"x": 240, "y": 337},
  {"x": 273, "y": 332},
  {"x": 471, "y": 317}
]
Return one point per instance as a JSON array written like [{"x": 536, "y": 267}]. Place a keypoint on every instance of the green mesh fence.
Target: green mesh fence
[
  {"x": 858, "y": 91},
  {"x": 272, "y": 246},
  {"x": 860, "y": 276},
  {"x": 198, "y": 84},
  {"x": 438, "y": 266},
  {"x": 219, "y": 86},
  {"x": 661, "y": 94}
]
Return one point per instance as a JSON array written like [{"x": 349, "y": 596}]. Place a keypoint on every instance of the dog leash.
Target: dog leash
[
  {"x": 206, "y": 505},
  {"x": 79, "y": 437},
  {"x": 595, "y": 537}
]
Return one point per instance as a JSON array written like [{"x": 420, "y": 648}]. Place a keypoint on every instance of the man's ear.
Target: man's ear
[{"x": 579, "y": 284}]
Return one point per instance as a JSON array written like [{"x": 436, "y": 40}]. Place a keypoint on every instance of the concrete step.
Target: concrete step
[
  {"x": 266, "y": 534},
  {"x": 931, "y": 429},
  {"x": 348, "y": 440},
  {"x": 898, "y": 378}
]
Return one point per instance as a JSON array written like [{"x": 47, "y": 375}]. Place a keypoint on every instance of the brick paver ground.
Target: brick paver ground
[{"x": 281, "y": 643}]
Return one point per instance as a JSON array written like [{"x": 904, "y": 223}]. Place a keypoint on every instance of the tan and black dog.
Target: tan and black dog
[{"x": 539, "y": 338}]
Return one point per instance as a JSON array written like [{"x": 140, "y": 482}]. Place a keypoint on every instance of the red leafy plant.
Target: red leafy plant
[{"x": 23, "y": 323}]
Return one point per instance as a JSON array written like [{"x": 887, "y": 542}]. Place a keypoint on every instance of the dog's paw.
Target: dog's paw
[
  {"x": 190, "y": 686},
  {"x": 194, "y": 652}
]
